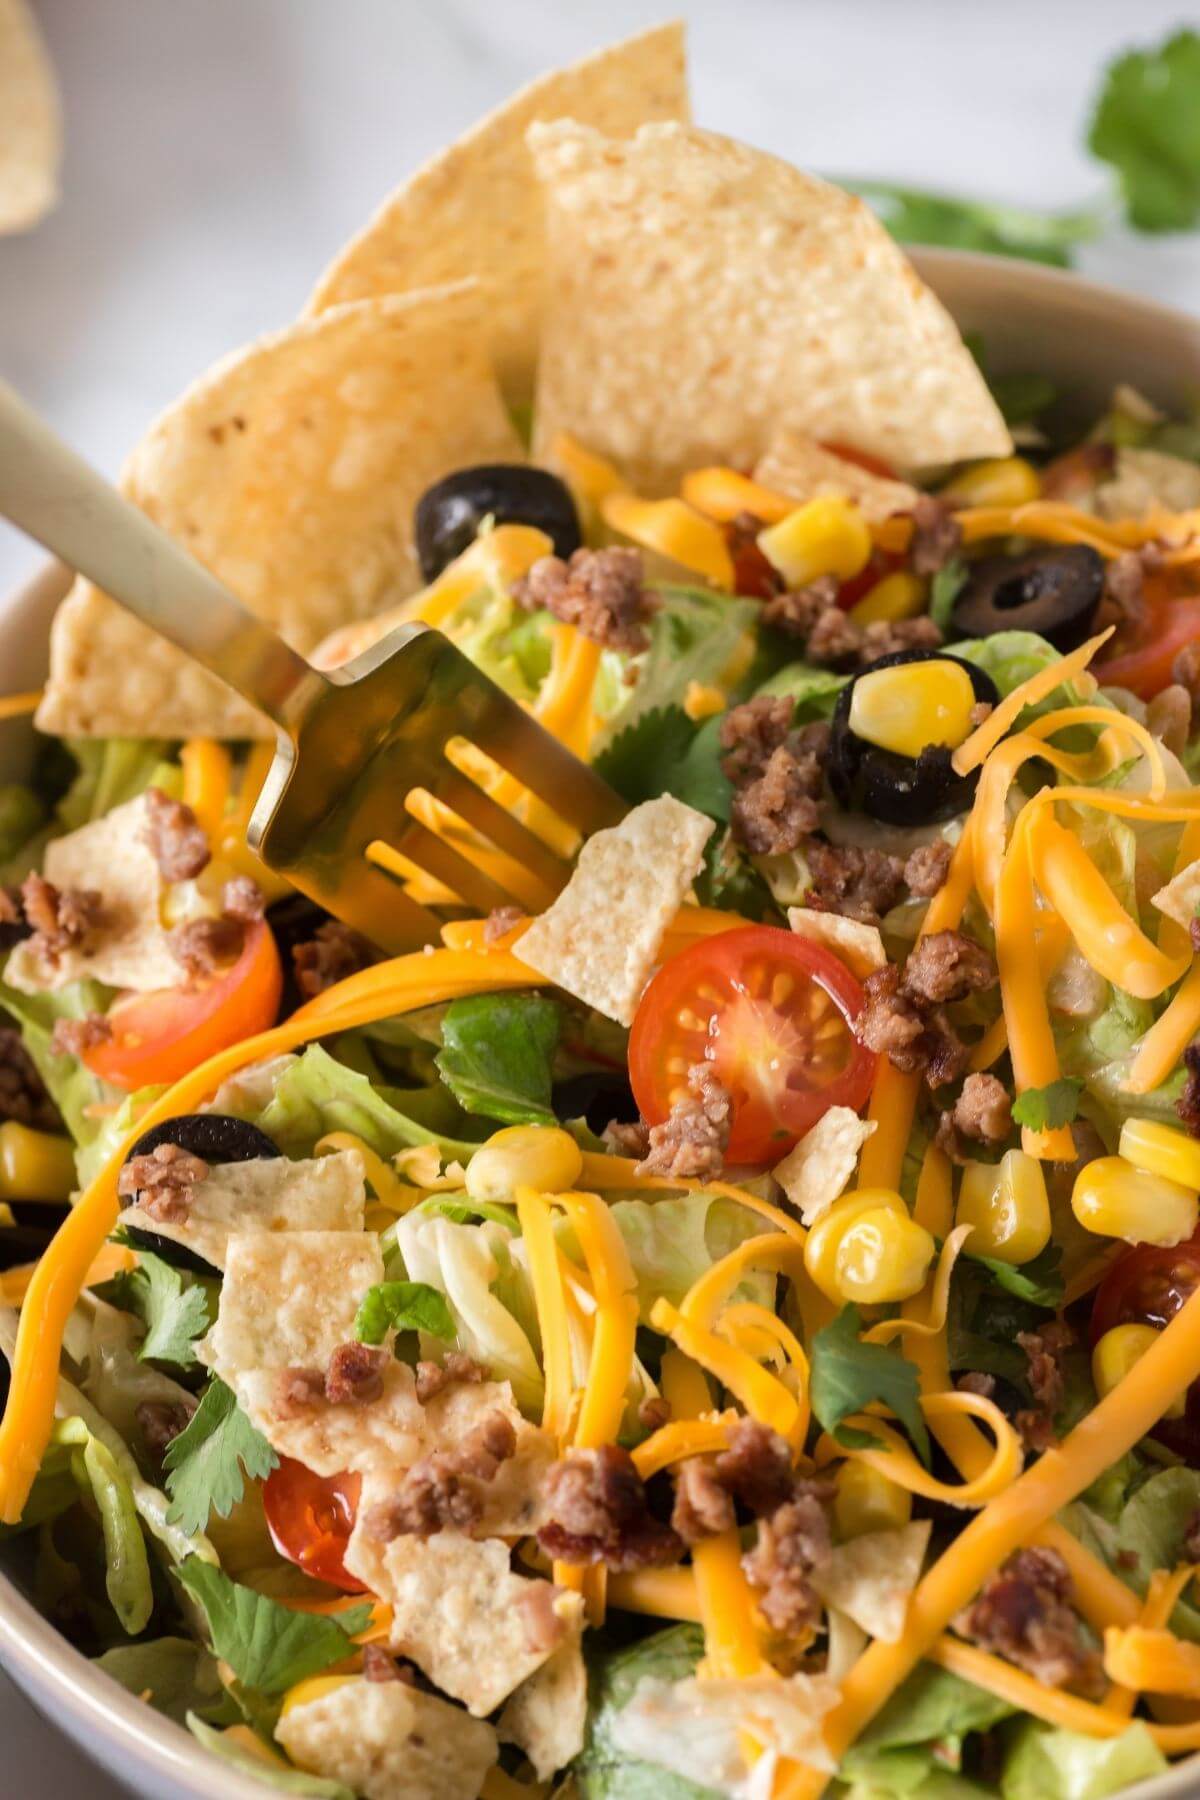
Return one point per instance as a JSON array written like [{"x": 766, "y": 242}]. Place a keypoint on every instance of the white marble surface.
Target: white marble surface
[{"x": 220, "y": 150}]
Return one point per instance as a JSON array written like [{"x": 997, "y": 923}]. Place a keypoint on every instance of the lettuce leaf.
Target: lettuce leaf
[
  {"x": 496, "y": 1056},
  {"x": 261, "y": 1769},
  {"x": 602, "y": 1771},
  {"x": 316, "y": 1095},
  {"x": 70, "y": 1084},
  {"x": 100, "y": 1476},
  {"x": 111, "y": 771},
  {"x": 177, "y": 1675},
  {"x": 672, "y": 1242},
  {"x": 695, "y": 636},
  {"x": 1046, "y": 1763}
]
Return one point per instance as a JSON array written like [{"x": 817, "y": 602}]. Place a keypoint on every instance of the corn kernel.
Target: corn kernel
[
  {"x": 826, "y": 536},
  {"x": 1003, "y": 481},
  {"x": 1161, "y": 1150},
  {"x": 900, "y": 595},
  {"x": 35, "y": 1165},
  {"x": 868, "y": 1501},
  {"x": 701, "y": 700},
  {"x": 1116, "y": 1353},
  {"x": 536, "y": 1156},
  {"x": 1113, "y": 1198},
  {"x": 883, "y": 1256},
  {"x": 821, "y": 1245},
  {"x": 905, "y": 709},
  {"x": 1007, "y": 1208}
]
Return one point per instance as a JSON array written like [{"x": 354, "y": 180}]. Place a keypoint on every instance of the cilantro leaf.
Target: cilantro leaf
[
  {"x": 408, "y": 1305},
  {"x": 848, "y": 1374},
  {"x": 1147, "y": 125},
  {"x": 1049, "y": 1108},
  {"x": 496, "y": 1055},
  {"x": 205, "y": 1462},
  {"x": 1038, "y": 1281},
  {"x": 171, "y": 1305},
  {"x": 647, "y": 758},
  {"x": 914, "y": 216},
  {"x": 944, "y": 590},
  {"x": 268, "y": 1646}
]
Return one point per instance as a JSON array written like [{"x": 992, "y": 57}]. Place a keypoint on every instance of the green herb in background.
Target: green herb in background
[{"x": 1145, "y": 123}]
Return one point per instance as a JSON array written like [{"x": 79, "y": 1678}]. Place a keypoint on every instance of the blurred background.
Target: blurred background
[{"x": 218, "y": 152}]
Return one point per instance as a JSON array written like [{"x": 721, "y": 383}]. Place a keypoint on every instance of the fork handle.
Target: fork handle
[{"x": 57, "y": 498}]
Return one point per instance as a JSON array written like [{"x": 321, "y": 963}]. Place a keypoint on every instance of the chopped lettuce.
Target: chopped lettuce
[
  {"x": 602, "y": 1771},
  {"x": 1044, "y": 1762},
  {"x": 264, "y": 1767},
  {"x": 672, "y": 1242},
  {"x": 111, "y": 771},
  {"x": 316, "y": 1095},
  {"x": 926, "y": 1721},
  {"x": 175, "y": 1675},
  {"x": 695, "y": 636},
  {"x": 71, "y": 1085},
  {"x": 496, "y": 1056},
  {"x": 99, "y": 1476},
  {"x": 21, "y": 816}
]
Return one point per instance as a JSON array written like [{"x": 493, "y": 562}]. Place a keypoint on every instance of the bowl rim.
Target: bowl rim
[{"x": 140, "y": 1743}]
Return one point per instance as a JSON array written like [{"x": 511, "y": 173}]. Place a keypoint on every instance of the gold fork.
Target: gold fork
[{"x": 411, "y": 717}]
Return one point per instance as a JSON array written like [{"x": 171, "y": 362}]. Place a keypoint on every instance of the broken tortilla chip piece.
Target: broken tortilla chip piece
[
  {"x": 707, "y": 1731},
  {"x": 701, "y": 294},
  {"x": 30, "y": 121},
  {"x": 467, "y": 1621},
  {"x": 475, "y": 209},
  {"x": 547, "y": 1715},
  {"x": 389, "y": 1741},
  {"x": 800, "y": 469},
  {"x": 127, "y": 947},
  {"x": 819, "y": 1169},
  {"x": 265, "y": 1194},
  {"x": 292, "y": 471},
  {"x": 1148, "y": 481},
  {"x": 871, "y": 1577},
  {"x": 600, "y": 938},
  {"x": 859, "y": 946},
  {"x": 1180, "y": 898}
]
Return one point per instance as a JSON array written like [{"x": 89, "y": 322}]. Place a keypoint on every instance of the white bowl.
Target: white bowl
[{"x": 1035, "y": 319}]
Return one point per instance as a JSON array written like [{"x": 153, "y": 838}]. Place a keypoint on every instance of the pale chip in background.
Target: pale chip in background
[
  {"x": 701, "y": 294},
  {"x": 600, "y": 938},
  {"x": 870, "y": 1578},
  {"x": 128, "y": 948},
  {"x": 292, "y": 471},
  {"x": 391, "y": 1741},
  {"x": 547, "y": 1715},
  {"x": 821, "y": 1166},
  {"x": 265, "y": 1194},
  {"x": 475, "y": 208},
  {"x": 800, "y": 469},
  {"x": 30, "y": 121},
  {"x": 859, "y": 946},
  {"x": 1180, "y": 898},
  {"x": 1148, "y": 481}
]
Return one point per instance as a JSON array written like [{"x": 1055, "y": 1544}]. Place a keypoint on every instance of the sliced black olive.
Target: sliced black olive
[
  {"x": 901, "y": 790},
  {"x": 1055, "y": 592},
  {"x": 450, "y": 513},
  {"x": 214, "y": 1137},
  {"x": 596, "y": 1098}
]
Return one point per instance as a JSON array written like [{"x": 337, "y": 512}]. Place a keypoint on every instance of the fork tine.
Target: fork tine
[
  {"x": 375, "y": 901},
  {"x": 439, "y": 859},
  {"x": 519, "y": 744},
  {"x": 471, "y": 803}
]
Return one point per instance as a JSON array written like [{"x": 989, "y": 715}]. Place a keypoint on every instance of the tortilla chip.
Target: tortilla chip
[
  {"x": 701, "y": 294},
  {"x": 822, "y": 1165},
  {"x": 870, "y": 1578},
  {"x": 292, "y": 470},
  {"x": 390, "y": 1741},
  {"x": 799, "y": 468},
  {"x": 1180, "y": 898},
  {"x": 701, "y": 1730},
  {"x": 600, "y": 938},
  {"x": 30, "y": 122},
  {"x": 1148, "y": 481},
  {"x": 128, "y": 947},
  {"x": 547, "y": 1714},
  {"x": 465, "y": 1619},
  {"x": 859, "y": 946},
  {"x": 266, "y": 1194},
  {"x": 475, "y": 208}
]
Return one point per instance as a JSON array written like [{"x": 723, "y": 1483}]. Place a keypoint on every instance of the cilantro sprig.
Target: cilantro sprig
[
  {"x": 848, "y": 1375},
  {"x": 269, "y": 1647},
  {"x": 406, "y": 1305},
  {"x": 173, "y": 1306},
  {"x": 1049, "y": 1108},
  {"x": 208, "y": 1463}
]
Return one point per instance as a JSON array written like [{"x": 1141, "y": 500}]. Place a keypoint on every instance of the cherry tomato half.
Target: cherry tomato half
[
  {"x": 1146, "y": 668},
  {"x": 772, "y": 1013},
  {"x": 1148, "y": 1285},
  {"x": 310, "y": 1518},
  {"x": 161, "y": 1036}
]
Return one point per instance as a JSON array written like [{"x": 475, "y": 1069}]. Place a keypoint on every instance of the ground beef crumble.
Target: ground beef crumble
[
  {"x": 201, "y": 946},
  {"x": 355, "y": 1374},
  {"x": 936, "y": 535},
  {"x": 948, "y": 966},
  {"x": 858, "y": 884},
  {"x": 433, "y": 1377},
  {"x": 927, "y": 867},
  {"x": 1044, "y": 1349},
  {"x": 601, "y": 592},
  {"x": 500, "y": 921},
  {"x": 23, "y": 1094},
  {"x": 690, "y": 1143},
  {"x": 975, "y": 1382},
  {"x": 333, "y": 953},
  {"x": 14, "y": 926},
  {"x": 654, "y": 1412},
  {"x": 982, "y": 1114},
  {"x": 1191, "y": 1538},
  {"x": 831, "y": 639},
  {"x": 903, "y": 1017},
  {"x": 773, "y": 815},
  {"x": 1188, "y": 1103},
  {"x": 161, "y": 1181},
  {"x": 242, "y": 899},
  {"x": 703, "y": 1505},
  {"x": 1024, "y": 1612},
  {"x": 598, "y": 1512},
  {"x": 61, "y": 919},
  {"x": 1169, "y": 718},
  {"x": 175, "y": 836},
  {"x": 792, "y": 1543},
  {"x": 72, "y": 1037},
  {"x": 626, "y": 1137},
  {"x": 755, "y": 1470},
  {"x": 444, "y": 1490}
]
